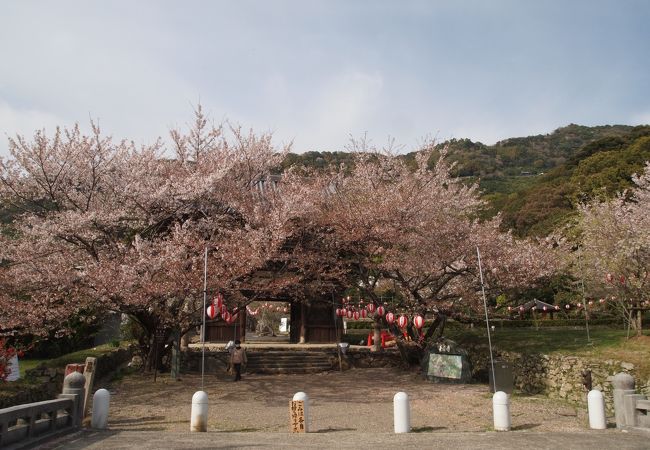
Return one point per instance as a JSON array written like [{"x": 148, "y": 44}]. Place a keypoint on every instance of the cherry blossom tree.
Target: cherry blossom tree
[
  {"x": 106, "y": 226},
  {"x": 615, "y": 250},
  {"x": 415, "y": 229}
]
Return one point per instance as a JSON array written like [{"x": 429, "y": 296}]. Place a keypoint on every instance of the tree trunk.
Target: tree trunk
[{"x": 639, "y": 322}]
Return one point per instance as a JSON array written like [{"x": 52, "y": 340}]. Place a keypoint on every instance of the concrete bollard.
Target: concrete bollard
[
  {"x": 101, "y": 402},
  {"x": 401, "y": 413},
  {"x": 305, "y": 398},
  {"x": 199, "y": 417},
  {"x": 596, "y": 407},
  {"x": 623, "y": 385},
  {"x": 501, "y": 411},
  {"x": 74, "y": 387}
]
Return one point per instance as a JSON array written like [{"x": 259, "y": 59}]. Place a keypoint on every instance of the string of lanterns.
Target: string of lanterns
[
  {"x": 568, "y": 306},
  {"x": 218, "y": 307},
  {"x": 362, "y": 312}
]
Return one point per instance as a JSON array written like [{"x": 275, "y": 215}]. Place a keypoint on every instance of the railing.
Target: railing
[{"x": 29, "y": 424}]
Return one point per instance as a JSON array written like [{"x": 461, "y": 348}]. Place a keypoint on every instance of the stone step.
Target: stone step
[{"x": 285, "y": 362}]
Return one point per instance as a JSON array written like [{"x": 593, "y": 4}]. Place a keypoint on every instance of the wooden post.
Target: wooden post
[
  {"x": 297, "y": 416},
  {"x": 89, "y": 373}
]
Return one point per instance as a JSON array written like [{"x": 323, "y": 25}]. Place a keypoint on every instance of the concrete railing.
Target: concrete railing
[{"x": 27, "y": 425}]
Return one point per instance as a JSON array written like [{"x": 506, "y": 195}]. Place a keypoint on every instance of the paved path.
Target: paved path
[{"x": 345, "y": 439}]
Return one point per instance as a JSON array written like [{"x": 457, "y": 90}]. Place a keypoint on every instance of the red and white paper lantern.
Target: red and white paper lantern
[
  {"x": 355, "y": 315},
  {"x": 381, "y": 311},
  {"x": 370, "y": 307},
  {"x": 364, "y": 313},
  {"x": 402, "y": 321},
  {"x": 218, "y": 300},
  {"x": 390, "y": 317},
  {"x": 418, "y": 322},
  {"x": 226, "y": 316},
  {"x": 349, "y": 313},
  {"x": 211, "y": 311}
]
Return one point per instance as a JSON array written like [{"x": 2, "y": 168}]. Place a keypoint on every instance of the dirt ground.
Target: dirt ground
[{"x": 355, "y": 400}]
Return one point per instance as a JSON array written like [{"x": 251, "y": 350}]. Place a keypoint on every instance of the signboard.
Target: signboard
[
  {"x": 445, "y": 366},
  {"x": 89, "y": 373},
  {"x": 297, "y": 416},
  {"x": 14, "y": 369}
]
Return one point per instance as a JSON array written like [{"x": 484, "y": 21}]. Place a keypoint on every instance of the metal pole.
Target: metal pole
[
  {"x": 487, "y": 320},
  {"x": 584, "y": 298},
  {"x": 205, "y": 296}
]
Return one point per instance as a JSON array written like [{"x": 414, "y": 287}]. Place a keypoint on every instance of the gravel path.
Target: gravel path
[{"x": 356, "y": 400}]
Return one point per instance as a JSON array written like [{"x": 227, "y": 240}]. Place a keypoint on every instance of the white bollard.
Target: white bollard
[
  {"x": 401, "y": 413},
  {"x": 596, "y": 407},
  {"x": 501, "y": 411},
  {"x": 199, "y": 418},
  {"x": 101, "y": 402},
  {"x": 305, "y": 398}
]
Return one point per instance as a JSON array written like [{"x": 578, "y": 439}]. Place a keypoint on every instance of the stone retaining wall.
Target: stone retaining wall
[{"x": 558, "y": 376}]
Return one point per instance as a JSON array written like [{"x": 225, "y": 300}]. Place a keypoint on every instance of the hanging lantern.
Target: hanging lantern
[
  {"x": 338, "y": 312},
  {"x": 227, "y": 317},
  {"x": 364, "y": 313},
  {"x": 381, "y": 311},
  {"x": 544, "y": 308},
  {"x": 355, "y": 315},
  {"x": 509, "y": 308},
  {"x": 218, "y": 300},
  {"x": 402, "y": 321},
  {"x": 390, "y": 317},
  {"x": 418, "y": 322},
  {"x": 622, "y": 280},
  {"x": 223, "y": 309},
  {"x": 370, "y": 307},
  {"x": 591, "y": 302},
  {"x": 567, "y": 306},
  {"x": 601, "y": 301},
  {"x": 350, "y": 314},
  {"x": 557, "y": 307},
  {"x": 211, "y": 311},
  {"x": 521, "y": 309},
  {"x": 579, "y": 305},
  {"x": 609, "y": 277}
]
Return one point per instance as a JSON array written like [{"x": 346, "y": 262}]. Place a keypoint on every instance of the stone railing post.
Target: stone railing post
[
  {"x": 74, "y": 388},
  {"x": 623, "y": 385}
]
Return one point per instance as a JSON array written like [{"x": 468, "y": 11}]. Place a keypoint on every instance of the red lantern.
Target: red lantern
[
  {"x": 622, "y": 279},
  {"x": 223, "y": 309},
  {"x": 402, "y": 321},
  {"x": 364, "y": 313},
  {"x": 338, "y": 312},
  {"x": 418, "y": 322},
  {"x": 390, "y": 317},
  {"x": 350, "y": 314},
  {"x": 370, "y": 307},
  {"x": 227, "y": 317},
  {"x": 355, "y": 315},
  {"x": 218, "y": 301},
  {"x": 211, "y": 311},
  {"x": 381, "y": 311},
  {"x": 609, "y": 277}
]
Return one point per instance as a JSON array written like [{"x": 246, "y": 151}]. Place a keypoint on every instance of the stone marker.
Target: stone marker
[
  {"x": 596, "y": 407},
  {"x": 401, "y": 413},
  {"x": 501, "y": 411},
  {"x": 199, "y": 415},
  {"x": 101, "y": 402},
  {"x": 623, "y": 385},
  {"x": 304, "y": 398}
]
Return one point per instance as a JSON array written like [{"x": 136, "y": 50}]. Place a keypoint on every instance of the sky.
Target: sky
[{"x": 317, "y": 72}]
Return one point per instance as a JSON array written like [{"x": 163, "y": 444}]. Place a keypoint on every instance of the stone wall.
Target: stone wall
[{"x": 558, "y": 376}]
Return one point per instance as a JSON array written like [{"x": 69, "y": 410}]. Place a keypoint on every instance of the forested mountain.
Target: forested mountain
[{"x": 536, "y": 181}]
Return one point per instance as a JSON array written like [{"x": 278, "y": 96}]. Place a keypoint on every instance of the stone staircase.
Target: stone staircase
[{"x": 288, "y": 361}]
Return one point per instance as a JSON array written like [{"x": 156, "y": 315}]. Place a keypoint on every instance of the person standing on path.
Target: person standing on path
[{"x": 237, "y": 358}]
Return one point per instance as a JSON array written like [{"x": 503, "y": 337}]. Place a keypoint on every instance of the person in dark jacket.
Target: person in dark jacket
[{"x": 237, "y": 358}]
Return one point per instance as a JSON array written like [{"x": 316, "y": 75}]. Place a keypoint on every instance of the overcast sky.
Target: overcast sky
[{"x": 315, "y": 72}]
